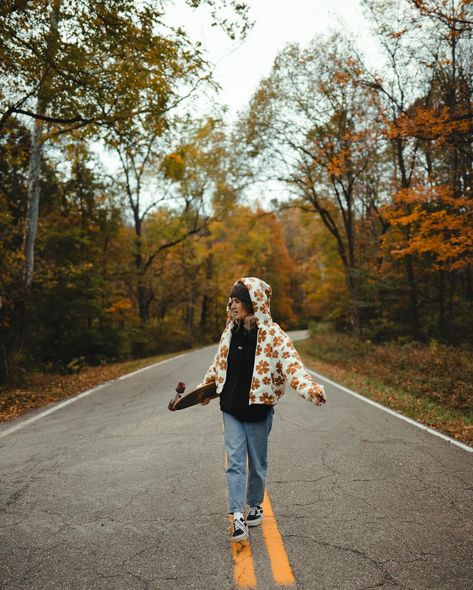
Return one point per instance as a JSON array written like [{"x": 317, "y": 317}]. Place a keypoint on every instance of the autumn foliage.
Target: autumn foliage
[{"x": 371, "y": 228}]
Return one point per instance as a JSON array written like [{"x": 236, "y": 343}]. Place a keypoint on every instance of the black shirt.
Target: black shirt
[{"x": 235, "y": 395}]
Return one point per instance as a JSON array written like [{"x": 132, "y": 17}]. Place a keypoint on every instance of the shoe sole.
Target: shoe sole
[
  {"x": 239, "y": 539},
  {"x": 255, "y": 522}
]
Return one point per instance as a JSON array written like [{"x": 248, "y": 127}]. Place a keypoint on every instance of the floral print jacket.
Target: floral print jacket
[{"x": 276, "y": 359}]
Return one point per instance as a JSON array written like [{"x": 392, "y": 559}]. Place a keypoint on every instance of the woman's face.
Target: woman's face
[{"x": 238, "y": 309}]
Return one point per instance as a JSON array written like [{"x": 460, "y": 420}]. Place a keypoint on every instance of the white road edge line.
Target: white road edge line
[
  {"x": 393, "y": 412},
  {"x": 71, "y": 400}
]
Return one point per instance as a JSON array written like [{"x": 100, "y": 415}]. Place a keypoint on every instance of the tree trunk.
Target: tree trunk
[
  {"x": 409, "y": 266},
  {"x": 31, "y": 223},
  {"x": 414, "y": 307},
  {"x": 4, "y": 373},
  {"x": 143, "y": 304},
  {"x": 441, "y": 311},
  {"x": 204, "y": 314},
  {"x": 205, "y": 309},
  {"x": 190, "y": 312},
  {"x": 451, "y": 293},
  {"x": 143, "y": 308},
  {"x": 32, "y": 211},
  {"x": 353, "y": 292},
  {"x": 347, "y": 256}
]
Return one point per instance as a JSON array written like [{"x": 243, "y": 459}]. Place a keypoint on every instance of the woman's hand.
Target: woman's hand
[
  {"x": 319, "y": 400},
  {"x": 206, "y": 401}
]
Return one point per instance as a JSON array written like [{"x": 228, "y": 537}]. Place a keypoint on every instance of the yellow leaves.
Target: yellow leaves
[
  {"x": 205, "y": 130},
  {"x": 173, "y": 166}
]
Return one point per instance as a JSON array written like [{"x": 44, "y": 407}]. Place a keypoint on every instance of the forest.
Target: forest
[{"x": 371, "y": 231}]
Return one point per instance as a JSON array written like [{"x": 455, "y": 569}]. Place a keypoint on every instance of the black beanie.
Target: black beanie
[{"x": 241, "y": 292}]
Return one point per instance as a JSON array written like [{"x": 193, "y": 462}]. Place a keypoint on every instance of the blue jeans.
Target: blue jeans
[{"x": 242, "y": 440}]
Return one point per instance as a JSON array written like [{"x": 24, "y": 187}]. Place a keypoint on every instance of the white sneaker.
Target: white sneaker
[
  {"x": 240, "y": 530},
  {"x": 255, "y": 516}
]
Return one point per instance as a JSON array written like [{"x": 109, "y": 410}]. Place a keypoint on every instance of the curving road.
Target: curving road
[{"x": 115, "y": 492}]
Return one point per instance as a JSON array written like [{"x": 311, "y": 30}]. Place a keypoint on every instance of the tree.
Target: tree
[
  {"x": 315, "y": 125},
  {"x": 96, "y": 57},
  {"x": 426, "y": 92},
  {"x": 94, "y": 64},
  {"x": 14, "y": 154},
  {"x": 318, "y": 282},
  {"x": 171, "y": 181}
]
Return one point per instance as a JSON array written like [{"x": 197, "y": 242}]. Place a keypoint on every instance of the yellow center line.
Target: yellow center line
[
  {"x": 243, "y": 567},
  {"x": 282, "y": 572}
]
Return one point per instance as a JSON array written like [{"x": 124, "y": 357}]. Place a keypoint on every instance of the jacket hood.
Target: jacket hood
[{"x": 260, "y": 295}]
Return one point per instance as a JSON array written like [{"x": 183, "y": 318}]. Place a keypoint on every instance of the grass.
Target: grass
[
  {"x": 41, "y": 389},
  {"x": 432, "y": 384}
]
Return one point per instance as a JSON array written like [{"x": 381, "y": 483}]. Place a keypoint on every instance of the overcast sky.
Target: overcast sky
[{"x": 240, "y": 65}]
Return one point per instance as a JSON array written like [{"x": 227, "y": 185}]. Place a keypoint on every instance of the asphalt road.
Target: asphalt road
[{"x": 115, "y": 492}]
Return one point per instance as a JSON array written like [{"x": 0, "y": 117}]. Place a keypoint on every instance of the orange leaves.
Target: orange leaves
[
  {"x": 335, "y": 166},
  {"x": 436, "y": 224},
  {"x": 121, "y": 305},
  {"x": 398, "y": 34},
  {"x": 436, "y": 124},
  {"x": 341, "y": 77}
]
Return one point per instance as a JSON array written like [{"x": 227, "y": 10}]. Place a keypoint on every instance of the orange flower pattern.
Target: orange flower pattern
[
  {"x": 262, "y": 367},
  {"x": 266, "y": 398},
  {"x": 276, "y": 359},
  {"x": 255, "y": 383},
  {"x": 293, "y": 367}
]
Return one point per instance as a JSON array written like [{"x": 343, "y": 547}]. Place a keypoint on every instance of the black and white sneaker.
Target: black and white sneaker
[
  {"x": 255, "y": 516},
  {"x": 240, "y": 530}
]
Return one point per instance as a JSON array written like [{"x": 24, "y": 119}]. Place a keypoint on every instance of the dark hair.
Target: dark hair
[
  {"x": 250, "y": 321},
  {"x": 240, "y": 292},
  {"x": 248, "y": 307}
]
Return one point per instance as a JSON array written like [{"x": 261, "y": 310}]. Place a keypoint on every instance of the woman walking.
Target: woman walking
[{"x": 255, "y": 358}]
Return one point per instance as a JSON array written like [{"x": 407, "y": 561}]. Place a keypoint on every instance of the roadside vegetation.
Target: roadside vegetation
[
  {"x": 41, "y": 389},
  {"x": 431, "y": 383}
]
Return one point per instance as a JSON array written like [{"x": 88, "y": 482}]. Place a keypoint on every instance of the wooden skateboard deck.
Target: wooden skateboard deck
[{"x": 196, "y": 396}]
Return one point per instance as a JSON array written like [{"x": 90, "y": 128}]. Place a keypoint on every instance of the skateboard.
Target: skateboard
[{"x": 196, "y": 396}]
